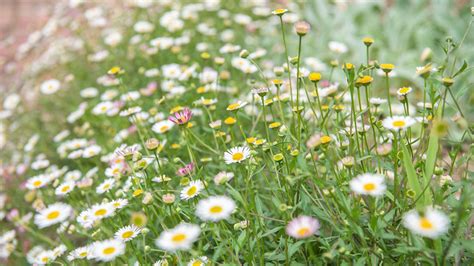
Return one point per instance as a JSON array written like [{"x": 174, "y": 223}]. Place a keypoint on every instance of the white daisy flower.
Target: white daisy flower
[
  {"x": 72, "y": 175},
  {"x": 377, "y": 101},
  {"x": 37, "y": 182},
  {"x": 108, "y": 250},
  {"x": 119, "y": 203},
  {"x": 65, "y": 188},
  {"x": 86, "y": 219},
  {"x": 103, "y": 108},
  {"x": 162, "y": 126},
  {"x": 215, "y": 208},
  {"x": 302, "y": 227},
  {"x": 59, "y": 251},
  {"x": 127, "y": 233},
  {"x": 236, "y": 154},
  {"x": 143, "y": 26},
  {"x": 192, "y": 190},
  {"x": 53, "y": 214},
  {"x": 432, "y": 223},
  {"x": 90, "y": 92},
  {"x": 162, "y": 262},
  {"x": 337, "y": 47},
  {"x": 223, "y": 177},
  {"x": 201, "y": 261},
  {"x": 103, "y": 210},
  {"x": 40, "y": 164},
  {"x": 179, "y": 238},
  {"x": 50, "y": 86},
  {"x": 368, "y": 184},
  {"x": 45, "y": 257},
  {"x": 80, "y": 253},
  {"x": 404, "y": 91},
  {"x": 236, "y": 106},
  {"x": 91, "y": 151},
  {"x": 171, "y": 71},
  {"x": 107, "y": 185},
  {"x": 398, "y": 122}
]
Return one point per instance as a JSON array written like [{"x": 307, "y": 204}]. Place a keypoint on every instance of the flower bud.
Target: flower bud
[
  {"x": 168, "y": 198},
  {"x": 447, "y": 81},
  {"x": 302, "y": 28},
  {"x": 368, "y": 41},
  {"x": 314, "y": 76},
  {"x": 244, "y": 53},
  {"x": 152, "y": 144},
  {"x": 147, "y": 198}
]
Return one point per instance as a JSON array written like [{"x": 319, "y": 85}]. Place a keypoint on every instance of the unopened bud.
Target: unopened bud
[{"x": 244, "y": 53}]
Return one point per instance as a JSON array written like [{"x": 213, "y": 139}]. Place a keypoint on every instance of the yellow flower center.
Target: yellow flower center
[
  {"x": 216, "y": 209},
  {"x": 365, "y": 79},
  {"x": 274, "y": 125},
  {"x": 137, "y": 192},
  {"x": 178, "y": 237},
  {"x": 280, "y": 11},
  {"x": 404, "y": 90},
  {"x": 233, "y": 106},
  {"x": 197, "y": 263},
  {"x": 230, "y": 121},
  {"x": 37, "y": 183},
  {"x": 325, "y": 139},
  {"x": 314, "y": 76},
  {"x": 65, "y": 188},
  {"x": 425, "y": 223},
  {"x": 399, "y": 123},
  {"x": 237, "y": 156},
  {"x": 127, "y": 234},
  {"x": 100, "y": 212},
  {"x": 387, "y": 66},
  {"x": 303, "y": 231},
  {"x": 109, "y": 250},
  {"x": 163, "y": 128},
  {"x": 191, "y": 191},
  {"x": 83, "y": 254},
  {"x": 369, "y": 186},
  {"x": 52, "y": 215}
]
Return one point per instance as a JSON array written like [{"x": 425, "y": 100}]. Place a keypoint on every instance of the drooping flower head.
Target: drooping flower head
[{"x": 181, "y": 117}]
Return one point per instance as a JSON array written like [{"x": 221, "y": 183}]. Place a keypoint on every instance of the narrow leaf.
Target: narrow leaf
[
  {"x": 463, "y": 67},
  {"x": 413, "y": 183}
]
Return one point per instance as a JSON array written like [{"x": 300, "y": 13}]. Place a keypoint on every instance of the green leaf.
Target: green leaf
[
  {"x": 463, "y": 67},
  {"x": 411, "y": 173},
  {"x": 292, "y": 248},
  {"x": 430, "y": 163}
]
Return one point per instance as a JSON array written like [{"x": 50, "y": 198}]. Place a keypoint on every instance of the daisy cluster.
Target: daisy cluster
[{"x": 176, "y": 133}]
